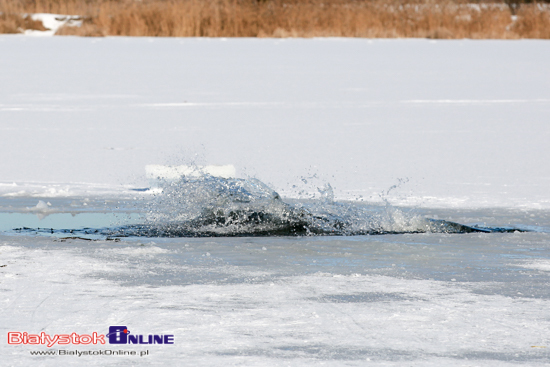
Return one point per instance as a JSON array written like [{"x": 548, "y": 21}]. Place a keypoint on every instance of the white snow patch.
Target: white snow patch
[
  {"x": 53, "y": 22},
  {"x": 42, "y": 209},
  {"x": 541, "y": 264}
]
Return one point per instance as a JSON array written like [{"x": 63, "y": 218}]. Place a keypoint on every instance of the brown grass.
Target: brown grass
[
  {"x": 289, "y": 18},
  {"x": 88, "y": 29},
  {"x": 15, "y": 23}
]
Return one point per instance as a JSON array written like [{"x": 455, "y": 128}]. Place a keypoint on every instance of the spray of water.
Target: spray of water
[
  {"x": 214, "y": 206},
  {"x": 202, "y": 205}
]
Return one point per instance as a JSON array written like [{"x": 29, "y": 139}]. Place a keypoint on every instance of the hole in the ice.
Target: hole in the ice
[
  {"x": 208, "y": 206},
  {"x": 65, "y": 221}
]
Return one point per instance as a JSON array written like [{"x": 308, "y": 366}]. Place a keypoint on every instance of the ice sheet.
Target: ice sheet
[
  {"x": 384, "y": 301},
  {"x": 463, "y": 123}
]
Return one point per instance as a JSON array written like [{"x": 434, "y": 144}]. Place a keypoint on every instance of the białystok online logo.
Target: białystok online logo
[{"x": 117, "y": 335}]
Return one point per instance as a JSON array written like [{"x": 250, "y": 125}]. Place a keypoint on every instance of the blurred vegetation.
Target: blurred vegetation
[{"x": 507, "y": 19}]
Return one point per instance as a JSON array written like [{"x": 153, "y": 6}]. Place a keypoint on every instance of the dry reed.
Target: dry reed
[{"x": 290, "y": 18}]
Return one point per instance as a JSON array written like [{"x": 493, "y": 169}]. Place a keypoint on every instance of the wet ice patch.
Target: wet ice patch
[{"x": 364, "y": 297}]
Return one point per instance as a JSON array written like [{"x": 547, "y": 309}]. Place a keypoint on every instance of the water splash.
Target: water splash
[
  {"x": 208, "y": 206},
  {"x": 215, "y": 206}
]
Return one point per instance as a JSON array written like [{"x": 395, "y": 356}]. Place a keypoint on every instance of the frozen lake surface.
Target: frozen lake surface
[
  {"x": 423, "y": 145},
  {"x": 419, "y": 299},
  {"x": 465, "y": 122}
]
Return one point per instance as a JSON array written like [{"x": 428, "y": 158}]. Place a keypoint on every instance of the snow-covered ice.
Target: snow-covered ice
[
  {"x": 465, "y": 122},
  {"x": 451, "y": 130},
  {"x": 424, "y": 301}
]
